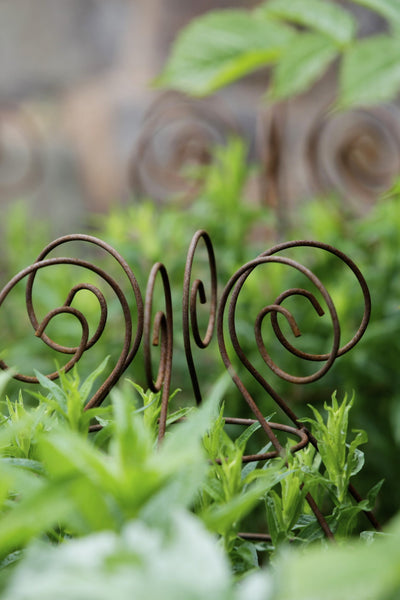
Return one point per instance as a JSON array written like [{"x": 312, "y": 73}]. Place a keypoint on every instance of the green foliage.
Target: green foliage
[
  {"x": 341, "y": 462},
  {"x": 223, "y": 46},
  {"x": 356, "y": 570},
  {"x": 83, "y": 487},
  {"x": 285, "y": 506},
  {"x": 297, "y": 71},
  {"x": 371, "y": 369},
  {"x": 119, "y": 484},
  {"x": 65, "y": 400},
  {"x": 231, "y": 491},
  {"x": 180, "y": 560},
  {"x": 321, "y": 16},
  {"x": 370, "y": 72}
]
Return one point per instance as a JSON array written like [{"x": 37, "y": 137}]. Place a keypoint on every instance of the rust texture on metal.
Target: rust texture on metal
[{"x": 139, "y": 324}]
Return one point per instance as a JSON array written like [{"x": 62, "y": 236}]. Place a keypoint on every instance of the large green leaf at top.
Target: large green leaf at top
[
  {"x": 389, "y": 9},
  {"x": 302, "y": 65},
  {"x": 220, "y": 47},
  {"x": 319, "y": 15},
  {"x": 370, "y": 72}
]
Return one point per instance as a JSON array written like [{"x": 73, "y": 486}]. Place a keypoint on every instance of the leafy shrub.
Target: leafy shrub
[
  {"x": 59, "y": 482},
  {"x": 223, "y": 46}
]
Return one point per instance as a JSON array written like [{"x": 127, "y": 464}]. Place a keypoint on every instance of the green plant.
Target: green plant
[
  {"x": 368, "y": 570},
  {"x": 298, "y": 40},
  {"x": 342, "y": 460},
  {"x": 122, "y": 499},
  {"x": 372, "y": 367},
  {"x": 109, "y": 464},
  {"x": 231, "y": 491}
]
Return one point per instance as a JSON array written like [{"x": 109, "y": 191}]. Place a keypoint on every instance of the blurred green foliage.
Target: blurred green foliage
[
  {"x": 64, "y": 489},
  {"x": 223, "y": 46}
]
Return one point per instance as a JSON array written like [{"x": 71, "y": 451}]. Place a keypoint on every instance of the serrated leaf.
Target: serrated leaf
[
  {"x": 220, "y": 47},
  {"x": 370, "y": 72},
  {"x": 321, "y": 16},
  {"x": 301, "y": 66}
]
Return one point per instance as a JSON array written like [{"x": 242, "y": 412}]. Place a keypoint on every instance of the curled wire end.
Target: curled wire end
[
  {"x": 189, "y": 306},
  {"x": 161, "y": 335}
]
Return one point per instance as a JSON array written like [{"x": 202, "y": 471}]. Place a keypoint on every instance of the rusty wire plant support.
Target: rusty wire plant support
[{"x": 158, "y": 330}]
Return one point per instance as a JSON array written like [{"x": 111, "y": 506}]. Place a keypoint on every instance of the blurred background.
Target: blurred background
[{"x": 82, "y": 128}]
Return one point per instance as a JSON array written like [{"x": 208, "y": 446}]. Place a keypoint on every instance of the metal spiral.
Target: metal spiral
[
  {"x": 177, "y": 133},
  {"x": 235, "y": 286},
  {"x": 232, "y": 290},
  {"x": 189, "y": 306},
  {"x": 158, "y": 331},
  {"x": 130, "y": 342},
  {"x": 162, "y": 334},
  {"x": 356, "y": 154}
]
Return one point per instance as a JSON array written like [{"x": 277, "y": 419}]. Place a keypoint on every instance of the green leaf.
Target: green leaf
[
  {"x": 220, "y": 518},
  {"x": 141, "y": 563},
  {"x": 184, "y": 444},
  {"x": 220, "y": 47},
  {"x": 248, "y": 432},
  {"x": 355, "y": 457},
  {"x": 179, "y": 492},
  {"x": 66, "y": 454},
  {"x": 370, "y": 72},
  {"x": 251, "y": 466},
  {"x": 373, "y": 493},
  {"x": 299, "y": 68},
  {"x": 33, "y": 515},
  {"x": 244, "y": 557},
  {"x": 324, "y": 17},
  {"x": 24, "y": 463},
  {"x": 342, "y": 571},
  {"x": 56, "y": 391},
  {"x": 273, "y": 507},
  {"x": 87, "y": 385},
  {"x": 389, "y": 9}
]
